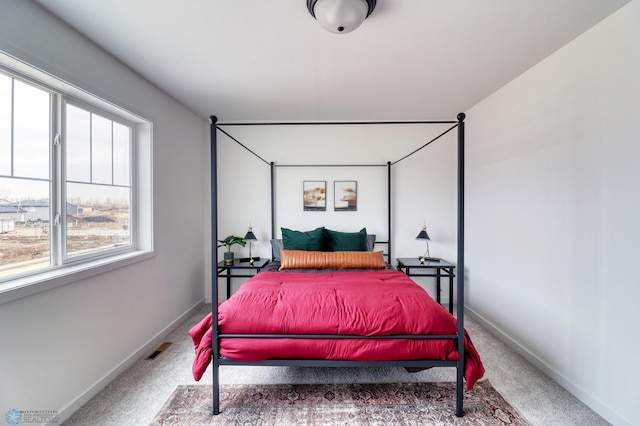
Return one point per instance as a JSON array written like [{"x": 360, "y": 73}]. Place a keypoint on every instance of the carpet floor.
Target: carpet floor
[{"x": 337, "y": 404}]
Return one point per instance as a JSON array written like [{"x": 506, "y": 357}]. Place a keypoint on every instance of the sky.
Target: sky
[{"x": 96, "y": 149}]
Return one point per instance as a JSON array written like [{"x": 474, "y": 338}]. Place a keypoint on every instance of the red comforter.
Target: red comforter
[{"x": 359, "y": 303}]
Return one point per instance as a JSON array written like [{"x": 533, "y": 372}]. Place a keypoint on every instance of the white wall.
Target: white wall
[
  {"x": 423, "y": 185},
  {"x": 60, "y": 346},
  {"x": 552, "y": 214}
]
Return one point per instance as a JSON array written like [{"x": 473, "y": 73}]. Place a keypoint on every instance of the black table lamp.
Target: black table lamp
[
  {"x": 250, "y": 236},
  {"x": 422, "y": 235}
]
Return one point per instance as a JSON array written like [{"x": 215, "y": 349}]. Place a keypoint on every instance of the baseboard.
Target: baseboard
[
  {"x": 577, "y": 391},
  {"x": 141, "y": 352}
]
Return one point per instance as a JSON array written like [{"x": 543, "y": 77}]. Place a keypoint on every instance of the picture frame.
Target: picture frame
[
  {"x": 314, "y": 195},
  {"x": 345, "y": 196}
]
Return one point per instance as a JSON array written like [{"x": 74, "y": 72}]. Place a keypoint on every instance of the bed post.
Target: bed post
[
  {"x": 214, "y": 261},
  {"x": 460, "y": 268},
  {"x": 389, "y": 212},
  {"x": 273, "y": 202}
]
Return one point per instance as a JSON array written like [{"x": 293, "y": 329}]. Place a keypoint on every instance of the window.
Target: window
[
  {"x": 25, "y": 208},
  {"x": 98, "y": 182},
  {"x": 68, "y": 176}
]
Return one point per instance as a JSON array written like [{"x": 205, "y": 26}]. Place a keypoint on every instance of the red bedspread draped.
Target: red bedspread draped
[{"x": 357, "y": 303}]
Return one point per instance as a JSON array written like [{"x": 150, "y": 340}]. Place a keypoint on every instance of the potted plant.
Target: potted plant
[{"x": 229, "y": 241}]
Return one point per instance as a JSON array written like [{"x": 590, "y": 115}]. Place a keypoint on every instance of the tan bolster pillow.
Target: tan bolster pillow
[{"x": 302, "y": 259}]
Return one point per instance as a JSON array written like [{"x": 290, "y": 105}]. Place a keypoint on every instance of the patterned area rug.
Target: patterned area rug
[{"x": 337, "y": 404}]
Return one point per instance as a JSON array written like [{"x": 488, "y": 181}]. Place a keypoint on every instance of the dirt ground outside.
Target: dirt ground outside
[{"x": 27, "y": 247}]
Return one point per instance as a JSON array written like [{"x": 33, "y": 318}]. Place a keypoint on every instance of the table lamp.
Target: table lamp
[
  {"x": 422, "y": 235},
  {"x": 250, "y": 236}
]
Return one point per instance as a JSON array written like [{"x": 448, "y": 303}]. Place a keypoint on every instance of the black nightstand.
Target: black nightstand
[
  {"x": 248, "y": 270},
  {"x": 440, "y": 269}
]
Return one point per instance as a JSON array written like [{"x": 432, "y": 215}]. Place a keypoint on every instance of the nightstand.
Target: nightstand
[
  {"x": 246, "y": 270},
  {"x": 438, "y": 269}
]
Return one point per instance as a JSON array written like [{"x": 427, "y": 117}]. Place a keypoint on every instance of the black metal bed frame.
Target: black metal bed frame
[{"x": 217, "y": 361}]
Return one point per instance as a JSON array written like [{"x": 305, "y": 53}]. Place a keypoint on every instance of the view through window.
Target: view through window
[
  {"x": 65, "y": 180},
  {"x": 98, "y": 183}
]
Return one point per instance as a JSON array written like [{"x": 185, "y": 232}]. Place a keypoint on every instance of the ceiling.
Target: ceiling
[{"x": 257, "y": 60}]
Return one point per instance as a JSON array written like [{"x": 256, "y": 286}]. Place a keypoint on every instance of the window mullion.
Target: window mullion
[
  {"x": 112, "y": 159},
  {"x": 13, "y": 98},
  {"x": 57, "y": 188},
  {"x": 91, "y": 147}
]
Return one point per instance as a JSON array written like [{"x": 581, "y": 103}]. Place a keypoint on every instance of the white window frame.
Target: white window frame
[
  {"x": 62, "y": 180},
  {"x": 65, "y": 271}
]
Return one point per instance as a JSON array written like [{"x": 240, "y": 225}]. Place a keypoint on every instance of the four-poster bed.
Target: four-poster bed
[{"x": 297, "y": 317}]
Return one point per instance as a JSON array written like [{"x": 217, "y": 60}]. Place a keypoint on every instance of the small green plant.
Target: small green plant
[{"x": 231, "y": 240}]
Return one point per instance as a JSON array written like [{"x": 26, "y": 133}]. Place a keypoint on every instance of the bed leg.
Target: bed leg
[
  {"x": 216, "y": 389},
  {"x": 216, "y": 386},
  {"x": 460, "y": 391}
]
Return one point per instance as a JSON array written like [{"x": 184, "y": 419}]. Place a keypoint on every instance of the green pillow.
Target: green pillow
[
  {"x": 346, "y": 241},
  {"x": 307, "y": 240}
]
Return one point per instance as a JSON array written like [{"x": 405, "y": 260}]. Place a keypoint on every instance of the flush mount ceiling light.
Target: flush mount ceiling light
[{"x": 340, "y": 16}]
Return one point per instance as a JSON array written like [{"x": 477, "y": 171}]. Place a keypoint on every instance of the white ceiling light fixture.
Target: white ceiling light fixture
[{"x": 340, "y": 16}]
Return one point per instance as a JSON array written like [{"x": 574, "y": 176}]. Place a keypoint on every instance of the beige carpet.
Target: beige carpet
[{"x": 337, "y": 404}]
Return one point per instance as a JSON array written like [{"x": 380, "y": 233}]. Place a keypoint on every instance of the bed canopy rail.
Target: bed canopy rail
[
  {"x": 460, "y": 276},
  {"x": 273, "y": 166}
]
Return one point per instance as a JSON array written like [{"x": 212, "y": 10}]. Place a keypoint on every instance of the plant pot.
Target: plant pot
[{"x": 228, "y": 258}]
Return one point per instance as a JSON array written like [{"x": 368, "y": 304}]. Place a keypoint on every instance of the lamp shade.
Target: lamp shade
[
  {"x": 422, "y": 235},
  {"x": 340, "y": 16},
  {"x": 250, "y": 236}
]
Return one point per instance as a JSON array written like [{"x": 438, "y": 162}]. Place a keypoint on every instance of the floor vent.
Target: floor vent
[{"x": 160, "y": 349}]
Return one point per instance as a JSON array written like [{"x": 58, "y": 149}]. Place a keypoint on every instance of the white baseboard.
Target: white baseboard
[
  {"x": 144, "y": 350},
  {"x": 588, "y": 399}
]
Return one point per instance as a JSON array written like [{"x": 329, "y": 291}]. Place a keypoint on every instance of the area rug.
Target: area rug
[{"x": 337, "y": 404}]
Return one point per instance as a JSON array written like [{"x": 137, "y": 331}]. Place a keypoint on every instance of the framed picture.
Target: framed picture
[
  {"x": 345, "y": 196},
  {"x": 314, "y": 195}
]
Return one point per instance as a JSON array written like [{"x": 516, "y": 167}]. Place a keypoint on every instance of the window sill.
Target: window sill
[{"x": 27, "y": 286}]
